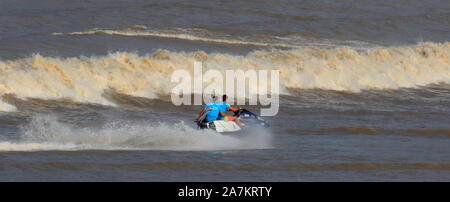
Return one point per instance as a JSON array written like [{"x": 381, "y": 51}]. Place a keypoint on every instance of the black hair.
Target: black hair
[{"x": 224, "y": 97}]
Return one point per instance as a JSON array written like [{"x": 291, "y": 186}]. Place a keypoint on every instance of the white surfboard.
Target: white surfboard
[{"x": 226, "y": 126}]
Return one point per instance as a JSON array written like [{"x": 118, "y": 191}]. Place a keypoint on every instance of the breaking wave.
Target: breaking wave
[
  {"x": 85, "y": 79},
  {"x": 45, "y": 132}
]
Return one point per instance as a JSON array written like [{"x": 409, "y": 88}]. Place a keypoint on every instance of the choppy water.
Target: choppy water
[{"x": 85, "y": 85}]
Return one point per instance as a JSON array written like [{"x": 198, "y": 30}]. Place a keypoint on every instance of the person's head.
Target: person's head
[
  {"x": 214, "y": 98},
  {"x": 224, "y": 98}
]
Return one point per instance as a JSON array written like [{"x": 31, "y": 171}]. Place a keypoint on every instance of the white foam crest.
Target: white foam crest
[
  {"x": 45, "y": 133},
  {"x": 346, "y": 69}
]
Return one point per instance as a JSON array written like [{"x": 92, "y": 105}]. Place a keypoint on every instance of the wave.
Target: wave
[
  {"x": 204, "y": 35},
  {"x": 85, "y": 79},
  {"x": 46, "y": 133}
]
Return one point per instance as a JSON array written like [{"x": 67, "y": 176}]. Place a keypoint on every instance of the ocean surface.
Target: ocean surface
[{"x": 85, "y": 90}]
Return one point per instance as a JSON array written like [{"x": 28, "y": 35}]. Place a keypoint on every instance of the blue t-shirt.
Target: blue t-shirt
[
  {"x": 214, "y": 113},
  {"x": 223, "y": 106}
]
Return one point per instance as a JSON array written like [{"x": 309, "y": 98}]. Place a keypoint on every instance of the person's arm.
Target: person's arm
[
  {"x": 232, "y": 109},
  {"x": 222, "y": 114},
  {"x": 201, "y": 113}
]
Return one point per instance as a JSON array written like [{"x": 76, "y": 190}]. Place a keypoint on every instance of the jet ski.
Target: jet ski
[{"x": 248, "y": 118}]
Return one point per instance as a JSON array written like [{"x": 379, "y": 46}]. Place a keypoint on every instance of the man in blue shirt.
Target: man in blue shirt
[
  {"x": 223, "y": 108},
  {"x": 214, "y": 110}
]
